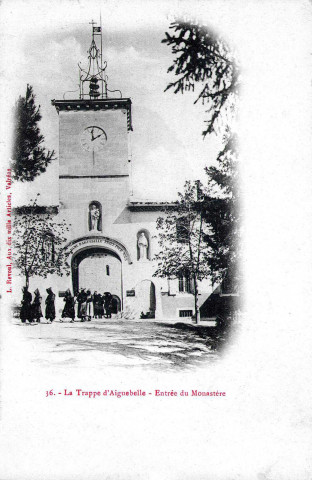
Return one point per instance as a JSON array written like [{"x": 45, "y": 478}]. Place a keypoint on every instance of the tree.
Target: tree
[
  {"x": 38, "y": 241},
  {"x": 223, "y": 215},
  {"x": 181, "y": 235},
  {"x": 29, "y": 157},
  {"x": 205, "y": 62}
]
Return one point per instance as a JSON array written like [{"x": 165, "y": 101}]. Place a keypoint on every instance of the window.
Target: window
[
  {"x": 48, "y": 247},
  {"x": 107, "y": 270},
  {"x": 185, "y": 284},
  {"x": 182, "y": 230},
  {"x": 181, "y": 283},
  {"x": 185, "y": 313}
]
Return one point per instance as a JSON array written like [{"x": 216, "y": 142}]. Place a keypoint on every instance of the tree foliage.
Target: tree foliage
[
  {"x": 223, "y": 215},
  {"x": 29, "y": 157},
  {"x": 181, "y": 236},
  {"x": 38, "y": 244},
  {"x": 204, "y": 60}
]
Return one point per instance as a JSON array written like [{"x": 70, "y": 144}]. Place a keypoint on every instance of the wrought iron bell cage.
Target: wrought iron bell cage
[{"x": 93, "y": 80}]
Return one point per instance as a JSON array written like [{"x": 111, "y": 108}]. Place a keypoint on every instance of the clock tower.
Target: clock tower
[{"x": 94, "y": 156}]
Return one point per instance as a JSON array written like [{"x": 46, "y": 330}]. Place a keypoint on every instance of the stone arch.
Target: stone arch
[
  {"x": 148, "y": 236},
  {"x": 146, "y": 298},
  {"x": 98, "y": 241},
  {"x": 98, "y": 281},
  {"x": 116, "y": 304}
]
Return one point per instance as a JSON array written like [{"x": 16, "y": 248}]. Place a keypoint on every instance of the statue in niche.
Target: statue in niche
[
  {"x": 95, "y": 215},
  {"x": 143, "y": 246}
]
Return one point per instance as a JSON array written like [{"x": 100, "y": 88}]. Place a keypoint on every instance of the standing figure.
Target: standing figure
[
  {"x": 107, "y": 304},
  {"x": 90, "y": 311},
  {"x": 96, "y": 305},
  {"x": 143, "y": 246},
  {"x": 50, "y": 305},
  {"x": 76, "y": 304},
  {"x": 94, "y": 217},
  {"x": 80, "y": 299},
  {"x": 36, "y": 306},
  {"x": 69, "y": 307},
  {"x": 26, "y": 310},
  {"x": 83, "y": 306},
  {"x": 101, "y": 305}
]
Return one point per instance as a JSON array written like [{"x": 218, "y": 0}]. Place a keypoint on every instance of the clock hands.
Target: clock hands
[{"x": 94, "y": 138}]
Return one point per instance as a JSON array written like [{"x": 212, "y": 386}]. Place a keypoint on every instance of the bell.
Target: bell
[{"x": 94, "y": 87}]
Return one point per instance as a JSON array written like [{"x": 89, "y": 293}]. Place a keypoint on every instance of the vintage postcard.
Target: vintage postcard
[{"x": 155, "y": 240}]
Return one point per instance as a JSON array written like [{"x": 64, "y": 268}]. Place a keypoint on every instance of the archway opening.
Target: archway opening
[
  {"x": 116, "y": 304},
  {"x": 99, "y": 270},
  {"x": 146, "y": 298}
]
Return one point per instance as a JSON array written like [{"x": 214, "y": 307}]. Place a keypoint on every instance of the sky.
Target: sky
[{"x": 167, "y": 144}]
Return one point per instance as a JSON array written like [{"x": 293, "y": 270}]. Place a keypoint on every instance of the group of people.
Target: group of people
[
  {"x": 92, "y": 305},
  {"x": 82, "y": 305},
  {"x": 31, "y": 308}
]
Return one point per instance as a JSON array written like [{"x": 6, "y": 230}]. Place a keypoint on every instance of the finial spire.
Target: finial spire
[{"x": 94, "y": 75}]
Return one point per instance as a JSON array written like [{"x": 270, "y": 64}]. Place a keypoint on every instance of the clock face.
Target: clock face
[{"x": 93, "y": 139}]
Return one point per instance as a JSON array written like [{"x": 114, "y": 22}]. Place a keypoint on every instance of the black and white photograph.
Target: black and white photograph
[
  {"x": 155, "y": 240},
  {"x": 133, "y": 216}
]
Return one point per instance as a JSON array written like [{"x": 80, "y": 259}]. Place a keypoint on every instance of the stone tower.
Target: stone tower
[{"x": 94, "y": 173}]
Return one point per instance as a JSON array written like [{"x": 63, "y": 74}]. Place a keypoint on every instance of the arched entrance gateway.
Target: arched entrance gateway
[
  {"x": 98, "y": 270},
  {"x": 97, "y": 265},
  {"x": 146, "y": 298}
]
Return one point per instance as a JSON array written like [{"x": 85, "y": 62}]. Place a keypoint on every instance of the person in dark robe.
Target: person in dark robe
[
  {"x": 83, "y": 307},
  {"x": 50, "y": 305},
  {"x": 93, "y": 296},
  {"x": 69, "y": 307},
  {"x": 80, "y": 300},
  {"x": 107, "y": 304},
  {"x": 36, "y": 306},
  {"x": 95, "y": 304},
  {"x": 26, "y": 308}
]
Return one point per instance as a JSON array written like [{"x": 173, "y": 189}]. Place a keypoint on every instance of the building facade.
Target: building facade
[{"x": 112, "y": 238}]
